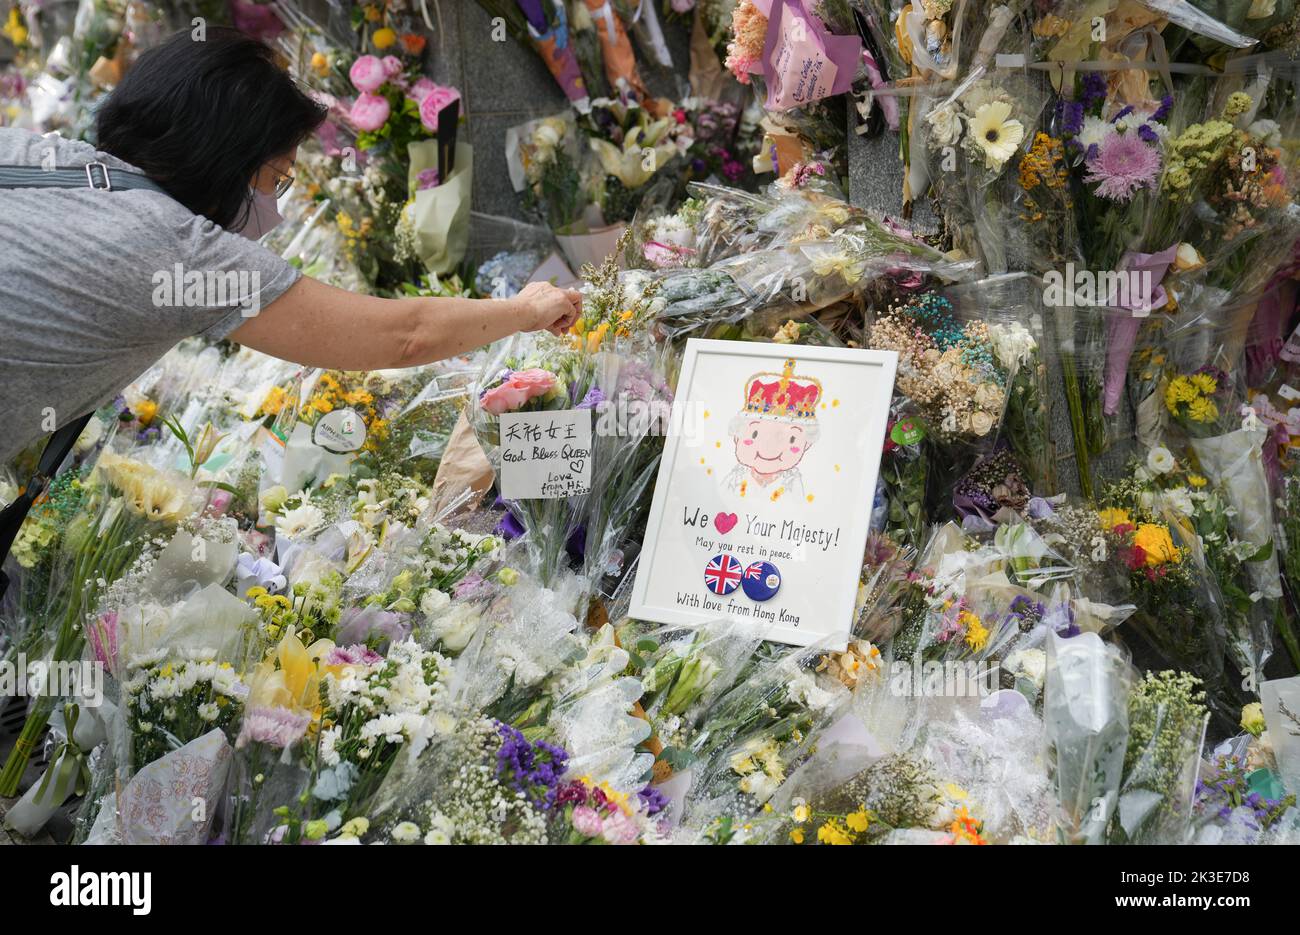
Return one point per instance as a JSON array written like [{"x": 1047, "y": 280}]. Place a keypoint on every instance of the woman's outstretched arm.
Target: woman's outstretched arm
[{"x": 321, "y": 326}]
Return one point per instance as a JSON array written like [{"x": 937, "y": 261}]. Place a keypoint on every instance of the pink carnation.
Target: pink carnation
[
  {"x": 369, "y": 112},
  {"x": 368, "y": 73},
  {"x": 1122, "y": 165},
  {"x": 275, "y": 727},
  {"x": 586, "y": 820},
  {"x": 418, "y": 90},
  {"x": 433, "y": 101}
]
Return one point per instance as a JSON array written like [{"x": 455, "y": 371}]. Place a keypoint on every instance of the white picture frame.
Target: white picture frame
[{"x": 766, "y": 461}]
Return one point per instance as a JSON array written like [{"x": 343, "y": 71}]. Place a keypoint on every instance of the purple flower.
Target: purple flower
[
  {"x": 1146, "y": 134},
  {"x": 1071, "y": 117},
  {"x": 469, "y": 586},
  {"x": 1094, "y": 90},
  {"x": 357, "y": 654},
  {"x": 1162, "y": 112},
  {"x": 428, "y": 178},
  {"x": 533, "y": 769},
  {"x": 595, "y": 396},
  {"x": 653, "y": 800},
  {"x": 1122, "y": 165}
]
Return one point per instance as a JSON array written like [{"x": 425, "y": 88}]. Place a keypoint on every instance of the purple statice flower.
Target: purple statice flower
[
  {"x": 595, "y": 396},
  {"x": 1070, "y": 114},
  {"x": 273, "y": 726},
  {"x": 1162, "y": 112},
  {"x": 1123, "y": 112},
  {"x": 1093, "y": 94},
  {"x": 1122, "y": 165},
  {"x": 533, "y": 769},
  {"x": 1147, "y": 135},
  {"x": 509, "y": 527},
  {"x": 653, "y": 800}
]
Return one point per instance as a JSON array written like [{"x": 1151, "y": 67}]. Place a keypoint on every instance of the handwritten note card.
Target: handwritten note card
[{"x": 545, "y": 455}]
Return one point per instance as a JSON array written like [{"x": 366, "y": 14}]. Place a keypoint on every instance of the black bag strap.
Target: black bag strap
[
  {"x": 99, "y": 177},
  {"x": 95, "y": 175}
]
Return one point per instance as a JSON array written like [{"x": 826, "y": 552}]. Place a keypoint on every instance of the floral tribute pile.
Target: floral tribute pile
[{"x": 1095, "y": 644}]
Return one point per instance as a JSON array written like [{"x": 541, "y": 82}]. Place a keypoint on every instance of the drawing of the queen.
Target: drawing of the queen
[{"x": 773, "y": 432}]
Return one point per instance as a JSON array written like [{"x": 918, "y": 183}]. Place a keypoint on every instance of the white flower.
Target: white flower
[
  {"x": 433, "y": 602},
  {"x": 1013, "y": 343},
  {"x": 1261, "y": 9},
  {"x": 1268, "y": 131},
  {"x": 455, "y": 627},
  {"x": 408, "y": 832},
  {"x": 301, "y": 520},
  {"x": 945, "y": 125},
  {"x": 1160, "y": 460},
  {"x": 1180, "y": 499},
  {"x": 996, "y": 134},
  {"x": 436, "y": 837},
  {"x": 1031, "y": 663},
  {"x": 91, "y": 435},
  {"x": 1094, "y": 131},
  {"x": 208, "y": 711}
]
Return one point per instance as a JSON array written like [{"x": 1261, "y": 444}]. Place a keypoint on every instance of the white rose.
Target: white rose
[
  {"x": 945, "y": 125},
  {"x": 456, "y": 627},
  {"x": 981, "y": 423},
  {"x": 433, "y": 602},
  {"x": 1160, "y": 460}
]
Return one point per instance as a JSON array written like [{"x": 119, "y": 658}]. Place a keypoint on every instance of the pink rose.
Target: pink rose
[
  {"x": 392, "y": 66},
  {"x": 587, "y": 821},
  {"x": 536, "y": 382},
  {"x": 369, "y": 112},
  {"x": 418, "y": 90},
  {"x": 434, "y": 100},
  {"x": 503, "y": 398},
  {"x": 367, "y": 73}
]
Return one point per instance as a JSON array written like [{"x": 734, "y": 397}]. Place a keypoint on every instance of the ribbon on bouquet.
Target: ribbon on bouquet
[
  {"x": 1139, "y": 302},
  {"x": 553, "y": 45},
  {"x": 68, "y": 768}
]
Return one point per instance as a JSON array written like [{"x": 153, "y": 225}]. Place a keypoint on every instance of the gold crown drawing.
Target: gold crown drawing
[{"x": 784, "y": 395}]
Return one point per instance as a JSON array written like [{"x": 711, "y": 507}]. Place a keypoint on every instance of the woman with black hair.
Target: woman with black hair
[{"x": 158, "y": 243}]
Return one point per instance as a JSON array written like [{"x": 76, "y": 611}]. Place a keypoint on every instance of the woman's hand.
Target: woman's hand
[{"x": 544, "y": 307}]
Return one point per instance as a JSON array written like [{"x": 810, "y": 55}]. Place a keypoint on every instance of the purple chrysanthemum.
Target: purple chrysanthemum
[
  {"x": 1122, "y": 165},
  {"x": 275, "y": 727}
]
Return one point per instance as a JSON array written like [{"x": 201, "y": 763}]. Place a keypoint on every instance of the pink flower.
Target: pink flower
[
  {"x": 275, "y": 727},
  {"x": 428, "y": 178},
  {"x": 663, "y": 255},
  {"x": 619, "y": 829},
  {"x": 368, "y": 73},
  {"x": 102, "y": 636},
  {"x": 392, "y": 66},
  {"x": 418, "y": 90},
  {"x": 587, "y": 821},
  {"x": 369, "y": 112},
  {"x": 537, "y": 382},
  {"x": 358, "y": 654},
  {"x": 433, "y": 101},
  {"x": 1122, "y": 165},
  {"x": 503, "y": 398}
]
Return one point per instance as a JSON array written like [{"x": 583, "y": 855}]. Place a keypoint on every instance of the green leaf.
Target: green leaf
[{"x": 1264, "y": 554}]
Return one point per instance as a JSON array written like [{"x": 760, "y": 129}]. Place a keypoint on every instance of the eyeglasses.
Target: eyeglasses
[{"x": 283, "y": 183}]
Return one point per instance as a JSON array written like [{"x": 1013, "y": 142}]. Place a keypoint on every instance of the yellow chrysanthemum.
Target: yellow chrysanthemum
[
  {"x": 858, "y": 821},
  {"x": 1202, "y": 410},
  {"x": 1154, "y": 540},
  {"x": 977, "y": 635},
  {"x": 832, "y": 833},
  {"x": 1205, "y": 383}
]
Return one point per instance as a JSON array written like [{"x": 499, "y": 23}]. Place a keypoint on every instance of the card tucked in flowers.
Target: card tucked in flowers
[{"x": 764, "y": 494}]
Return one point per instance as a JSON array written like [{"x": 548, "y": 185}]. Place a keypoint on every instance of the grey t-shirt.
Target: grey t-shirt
[{"x": 95, "y": 286}]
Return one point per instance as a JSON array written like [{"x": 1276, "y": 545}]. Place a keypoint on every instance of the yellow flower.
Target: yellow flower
[
  {"x": 977, "y": 635},
  {"x": 320, "y": 64},
  {"x": 832, "y": 833},
  {"x": 1196, "y": 480},
  {"x": 15, "y": 28},
  {"x": 859, "y": 820},
  {"x": 1155, "y": 541},
  {"x": 145, "y": 411},
  {"x": 383, "y": 38},
  {"x": 801, "y": 813},
  {"x": 1205, "y": 383},
  {"x": 372, "y": 13},
  {"x": 1202, "y": 410},
  {"x": 1114, "y": 516},
  {"x": 995, "y": 133},
  {"x": 796, "y": 835},
  {"x": 1252, "y": 719}
]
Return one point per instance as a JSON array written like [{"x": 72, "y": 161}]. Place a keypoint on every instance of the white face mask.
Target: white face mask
[{"x": 263, "y": 216}]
